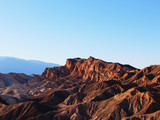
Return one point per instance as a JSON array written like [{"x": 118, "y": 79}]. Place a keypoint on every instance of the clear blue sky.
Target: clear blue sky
[{"x": 125, "y": 31}]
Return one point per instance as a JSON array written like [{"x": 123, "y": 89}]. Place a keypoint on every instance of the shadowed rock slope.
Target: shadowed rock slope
[{"x": 87, "y": 89}]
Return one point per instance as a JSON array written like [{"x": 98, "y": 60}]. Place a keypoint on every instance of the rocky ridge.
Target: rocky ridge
[{"x": 85, "y": 89}]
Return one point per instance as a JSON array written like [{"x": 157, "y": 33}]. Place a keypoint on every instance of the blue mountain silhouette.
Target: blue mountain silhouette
[{"x": 12, "y": 64}]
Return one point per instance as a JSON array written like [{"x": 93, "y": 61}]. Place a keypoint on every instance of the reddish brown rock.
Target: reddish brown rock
[
  {"x": 89, "y": 69},
  {"x": 86, "y": 89}
]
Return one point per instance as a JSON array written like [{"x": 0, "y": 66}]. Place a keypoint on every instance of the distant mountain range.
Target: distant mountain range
[{"x": 12, "y": 64}]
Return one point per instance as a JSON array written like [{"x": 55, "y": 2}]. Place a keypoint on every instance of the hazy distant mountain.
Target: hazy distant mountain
[{"x": 11, "y": 64}]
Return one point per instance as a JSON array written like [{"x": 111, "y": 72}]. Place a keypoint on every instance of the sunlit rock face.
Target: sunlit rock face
[
  {"x": 82, "y": 89},
  {"x": 91, "y": 69}
]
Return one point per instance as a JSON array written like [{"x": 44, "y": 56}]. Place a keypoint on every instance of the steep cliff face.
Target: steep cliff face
[
  {"x": 89, "y": 69},
  {"x": 85, "y": 89}
]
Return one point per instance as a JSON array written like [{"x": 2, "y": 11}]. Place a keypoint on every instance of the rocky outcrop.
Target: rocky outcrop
[
  {"x": 85, "y": 89},
  {"x": 89, "y": 69}
]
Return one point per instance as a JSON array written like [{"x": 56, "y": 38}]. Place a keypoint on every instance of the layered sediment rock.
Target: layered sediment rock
[{"x": 86, "y": 89}]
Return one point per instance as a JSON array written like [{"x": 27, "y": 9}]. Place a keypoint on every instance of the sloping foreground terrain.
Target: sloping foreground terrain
[{"x": 83, "y": 89}]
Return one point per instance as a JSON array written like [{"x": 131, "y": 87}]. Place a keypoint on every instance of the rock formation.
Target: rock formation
[{"x": 84, "y": 89}]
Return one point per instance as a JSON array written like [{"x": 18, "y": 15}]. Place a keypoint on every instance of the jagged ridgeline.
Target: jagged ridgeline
[{"x": 82, "y": 89}]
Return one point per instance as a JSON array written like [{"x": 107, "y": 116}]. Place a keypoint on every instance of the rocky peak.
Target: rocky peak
[
  {"x": 70, "y": 64},
  {"x": 91, "y": 69},
  {"x": 83, "y": 89}
]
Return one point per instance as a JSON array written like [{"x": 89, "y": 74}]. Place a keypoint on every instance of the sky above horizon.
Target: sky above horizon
[{"x": 124, "y": 31}]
